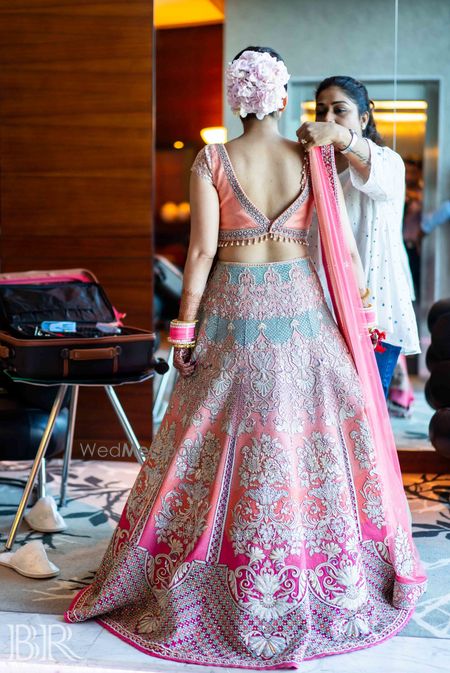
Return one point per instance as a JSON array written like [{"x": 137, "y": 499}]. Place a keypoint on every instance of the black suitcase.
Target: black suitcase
[{"x": 73, "y": 296}]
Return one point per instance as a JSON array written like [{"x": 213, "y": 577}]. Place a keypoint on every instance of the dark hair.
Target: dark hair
[
  {"x": 260, "y": 50},
  {"x": 359, "y": 95}
]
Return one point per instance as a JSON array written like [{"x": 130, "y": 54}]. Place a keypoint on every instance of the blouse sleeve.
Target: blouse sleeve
[
  {"x": 202, "y": 165},
  {"x": 387, "y": 175}
]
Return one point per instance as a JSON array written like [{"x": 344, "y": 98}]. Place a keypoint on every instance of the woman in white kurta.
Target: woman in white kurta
[{"x": 373, "y": 181}]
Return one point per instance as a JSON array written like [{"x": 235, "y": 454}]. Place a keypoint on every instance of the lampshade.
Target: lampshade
[{"x": 214, "y": 134}]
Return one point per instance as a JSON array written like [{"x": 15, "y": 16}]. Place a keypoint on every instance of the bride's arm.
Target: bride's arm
[{"x": 202, "y": 246}]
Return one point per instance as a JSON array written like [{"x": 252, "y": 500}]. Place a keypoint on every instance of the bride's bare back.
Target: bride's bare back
[{"x": 269, "y": 171}]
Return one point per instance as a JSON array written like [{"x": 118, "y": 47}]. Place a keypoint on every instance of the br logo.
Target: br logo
[{"x": 41, "y": 642}]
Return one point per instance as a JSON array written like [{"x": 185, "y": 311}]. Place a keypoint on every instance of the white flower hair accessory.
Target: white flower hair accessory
[{"x": 255, "y": 84}]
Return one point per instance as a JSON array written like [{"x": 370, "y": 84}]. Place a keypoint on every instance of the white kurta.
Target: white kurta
[{"x": 375, "y": 210}]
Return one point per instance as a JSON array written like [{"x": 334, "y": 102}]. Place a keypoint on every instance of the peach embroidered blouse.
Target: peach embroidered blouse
[{"x": 241, "y": 222}]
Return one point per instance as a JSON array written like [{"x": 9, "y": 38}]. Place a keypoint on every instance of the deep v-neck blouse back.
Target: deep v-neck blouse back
[{"x": 241, "y": 222}]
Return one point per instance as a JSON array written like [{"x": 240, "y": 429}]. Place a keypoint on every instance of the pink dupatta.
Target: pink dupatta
[{"x": 410, "y": 576}]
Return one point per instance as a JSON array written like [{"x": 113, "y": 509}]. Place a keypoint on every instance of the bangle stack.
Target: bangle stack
[{"x": 182, "y": 334}]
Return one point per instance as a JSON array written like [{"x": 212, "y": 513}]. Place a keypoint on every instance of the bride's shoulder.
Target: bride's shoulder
[
  {"x": 235, "y": 145},
  {"x": 293, "y": 146},
  {"x": 294, "y": 150}
]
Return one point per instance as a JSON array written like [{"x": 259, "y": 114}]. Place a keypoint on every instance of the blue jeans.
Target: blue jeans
[{"x": 386, "y": 364}]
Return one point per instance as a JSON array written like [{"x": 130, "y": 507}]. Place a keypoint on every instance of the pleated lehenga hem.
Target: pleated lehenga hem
[
  {"x": 199, "y": 621},
  {"x": 283, "y": 664}
]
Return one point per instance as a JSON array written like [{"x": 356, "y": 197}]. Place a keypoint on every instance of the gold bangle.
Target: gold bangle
[
  {"x": 183, "y": 322},
  {"x": 177, "y": 344}
]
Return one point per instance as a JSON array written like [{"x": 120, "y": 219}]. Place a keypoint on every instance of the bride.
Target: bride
[{"x": 268, "y": 524}]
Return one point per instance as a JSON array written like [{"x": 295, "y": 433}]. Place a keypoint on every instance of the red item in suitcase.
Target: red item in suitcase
[{"x": 29, "y": 299}]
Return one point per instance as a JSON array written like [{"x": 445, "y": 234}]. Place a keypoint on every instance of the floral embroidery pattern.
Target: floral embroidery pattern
[
  {"x": 326, "y": 505},
  {"x": 265, "y": 519},
  {"x": 371, "y": 490},
  {"x": 147, "y": 483},
  {"x": 181, "y": 518},
  {"x": 404, "y": 561}
]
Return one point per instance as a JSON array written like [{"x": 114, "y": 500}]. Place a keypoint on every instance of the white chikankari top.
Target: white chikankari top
[{"x": 375, "y": 210}]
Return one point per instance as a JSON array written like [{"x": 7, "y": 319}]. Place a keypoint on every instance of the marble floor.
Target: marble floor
[{"x": 33, "y": 643}]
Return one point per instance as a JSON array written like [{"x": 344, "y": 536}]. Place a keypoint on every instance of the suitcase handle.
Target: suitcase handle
[
  {"x": 94, "y": 353},
  {"x": 84, "y": 354}
]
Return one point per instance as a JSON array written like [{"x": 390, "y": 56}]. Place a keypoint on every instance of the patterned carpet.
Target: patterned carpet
[
  {"x": 429, "y": 498},
  {"x": 97, "y": 492}
]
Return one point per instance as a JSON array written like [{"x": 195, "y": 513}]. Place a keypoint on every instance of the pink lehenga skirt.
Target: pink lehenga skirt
[{"x": 254, "y": 535}]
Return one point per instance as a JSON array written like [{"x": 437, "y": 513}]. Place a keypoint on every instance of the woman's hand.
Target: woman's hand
[
  {"x": 182, "y": 361},
  {"x": 316, "y": 134}
]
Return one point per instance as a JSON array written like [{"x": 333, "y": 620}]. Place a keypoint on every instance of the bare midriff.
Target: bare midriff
[{"x": 263, "y": 252}]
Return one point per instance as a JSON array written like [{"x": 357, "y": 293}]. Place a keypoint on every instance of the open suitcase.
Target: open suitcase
[{"x": 90, "y": 342}]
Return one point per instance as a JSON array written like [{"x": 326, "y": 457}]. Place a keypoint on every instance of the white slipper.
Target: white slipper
[
  {"x": 44, "y": 516},
  {"x": 30, "y": 560}
]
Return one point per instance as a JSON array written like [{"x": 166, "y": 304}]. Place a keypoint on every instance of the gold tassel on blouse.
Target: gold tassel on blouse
[{"x": 258, "y": 239}]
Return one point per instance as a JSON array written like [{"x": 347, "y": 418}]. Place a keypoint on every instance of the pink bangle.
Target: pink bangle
[{"x": 182, "y": 334}]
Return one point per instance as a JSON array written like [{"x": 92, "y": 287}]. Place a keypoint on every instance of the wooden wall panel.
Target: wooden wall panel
[
  {"x": 94, "y": 149},
  {"x": 76, "y": 154},
  {"x": 188, "y": 83},
  {"x": 50, "y": 204}
]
